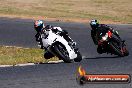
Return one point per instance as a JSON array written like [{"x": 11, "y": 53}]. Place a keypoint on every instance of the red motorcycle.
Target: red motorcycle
[{"x": 109, "y": 43}]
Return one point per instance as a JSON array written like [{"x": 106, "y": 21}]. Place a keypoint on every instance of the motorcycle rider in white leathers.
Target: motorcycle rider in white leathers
[{"x": 40, "y": 27}]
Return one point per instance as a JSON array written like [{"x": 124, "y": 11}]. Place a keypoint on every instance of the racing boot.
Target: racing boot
[
  {"x": 40, "y": 45},
  {"x": 48, "y": 55},
  {"x": 100, "y": 50}
]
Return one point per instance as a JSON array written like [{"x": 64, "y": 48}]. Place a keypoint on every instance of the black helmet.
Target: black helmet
[
  {"x": 94, "y": 23},
  {"x": 38, "y": 25}
]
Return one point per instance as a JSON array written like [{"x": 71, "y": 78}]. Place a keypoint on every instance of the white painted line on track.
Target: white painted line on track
[
  {"x": 27, "y": 64},
  {"x": 16, "y": 47},
  {"x": 59, "y": 61},
  {"x": 6, "y": 65}
]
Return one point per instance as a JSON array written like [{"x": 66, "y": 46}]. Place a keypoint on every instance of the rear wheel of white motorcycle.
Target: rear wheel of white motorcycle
[{"x": 61, "y": 52}]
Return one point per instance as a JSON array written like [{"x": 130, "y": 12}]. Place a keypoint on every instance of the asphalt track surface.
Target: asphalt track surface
[{"x": 19, "y": 32}]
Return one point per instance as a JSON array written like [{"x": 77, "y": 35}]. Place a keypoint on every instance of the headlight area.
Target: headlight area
[{"x": 104, "y": 38}]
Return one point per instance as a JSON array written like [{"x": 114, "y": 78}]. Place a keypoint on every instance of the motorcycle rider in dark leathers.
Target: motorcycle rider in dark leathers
[
  {"x": 97, "y": 28},
  {"x": 40, "y": 28}
]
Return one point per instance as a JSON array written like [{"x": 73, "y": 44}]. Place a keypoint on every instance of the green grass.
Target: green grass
[
  {"x": 109, "y": 10},
  {"x": 15, "y": 55}
]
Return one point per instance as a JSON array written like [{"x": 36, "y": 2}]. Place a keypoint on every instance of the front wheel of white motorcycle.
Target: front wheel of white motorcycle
[{"x": 61, "y": 52}]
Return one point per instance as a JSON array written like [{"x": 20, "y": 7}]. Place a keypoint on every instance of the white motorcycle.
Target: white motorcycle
[{"x": 58, "y": 46}]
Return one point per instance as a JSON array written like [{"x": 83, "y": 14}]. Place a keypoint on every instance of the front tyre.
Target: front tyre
[
  {"x": 61, "y": 52},
  {"x": 125, "y": 51},
  {"x": 117, "y": 49}
]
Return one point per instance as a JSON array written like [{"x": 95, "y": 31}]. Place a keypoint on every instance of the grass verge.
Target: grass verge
[
  {"x": 16, "y": 55},
  {"x": 106, "y": 10}
]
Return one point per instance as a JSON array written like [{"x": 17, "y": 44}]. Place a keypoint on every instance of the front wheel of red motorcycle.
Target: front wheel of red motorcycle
[{"x": 125, "y": 51}]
